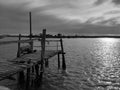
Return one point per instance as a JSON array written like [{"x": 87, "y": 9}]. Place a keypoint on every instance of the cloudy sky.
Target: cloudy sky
[{"x": 64, "y": 16}]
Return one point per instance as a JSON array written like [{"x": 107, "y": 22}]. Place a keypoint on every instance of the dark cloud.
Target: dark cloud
[
  {"x": 88, "y": 29},
  {"x": 16, "y": 20},
  {"x": 97, "y": 29},
  {"x": 116, "y": 2},
  {"x": 99, "y": 2},
  {"x": 12, "y": 20}
]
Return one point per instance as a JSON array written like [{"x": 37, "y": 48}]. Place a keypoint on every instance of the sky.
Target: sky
[{"x": 60, "y": 16}]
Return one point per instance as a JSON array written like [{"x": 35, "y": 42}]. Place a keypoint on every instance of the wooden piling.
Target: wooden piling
[
  {"x": 37, "y": 70},
  {"x": 28, "y": 76},
  {"x": 63, "y": 57},
  {"x": 46, "y": 63},
  {"x": 43, "y": 51},
  {"x": 21, "y": 77},
  {"x": 18, "y": 52},
  {"x": 30, "y": 23},
  {"x": 33, "y": 69},
  {"x": 58, "y": 61}
]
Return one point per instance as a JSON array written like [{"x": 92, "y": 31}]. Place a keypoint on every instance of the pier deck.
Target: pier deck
[{"x": 16, "y": 65}]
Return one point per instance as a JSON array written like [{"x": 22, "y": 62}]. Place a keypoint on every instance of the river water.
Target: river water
[{"x": 92, "y": 64}]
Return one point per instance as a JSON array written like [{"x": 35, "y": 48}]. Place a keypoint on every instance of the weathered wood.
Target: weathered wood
[
  {"x": 63, "y": 57},
  {"x": 57, "y": 46},
  {"x": 30, "y": 21},
  {"x": 21, "y": 77},
  {"x": 23, "y": 41},
  {"x": 28, "y": 76},
  {"x": 42, "y": 53},
  {"x": 15, "y": 66},
  {"x": 48, "y": 46},
  {"x": 16, "y": 41},
  {"x": 49, "y": 40},
  {"x": 46, "y": 63},
  {"x": 25, "y": 49},
  {"x": 52, "y": 40},
  {"x": 18, "y": 52},
  {"x": 37, "y": 70},
  {"x": 43, "y": 48},
  {"x": 58, "y": 60},
  {"x": 33, "y": 69},
  {"x": 8, "y": 69},
  {"x": 28, "y": 58}
]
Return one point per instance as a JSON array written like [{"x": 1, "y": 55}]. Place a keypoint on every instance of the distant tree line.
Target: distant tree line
[{"x": 59, "y": 35}]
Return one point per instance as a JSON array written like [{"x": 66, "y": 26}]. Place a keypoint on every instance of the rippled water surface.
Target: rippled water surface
[{"x": 92, "y": 64}]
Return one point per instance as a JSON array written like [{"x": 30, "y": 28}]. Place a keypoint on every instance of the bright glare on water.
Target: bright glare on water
[{"x": 92, "y": 64}]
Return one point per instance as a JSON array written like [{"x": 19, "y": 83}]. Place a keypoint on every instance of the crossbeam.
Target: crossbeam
[{"x": 16, "y": 41}]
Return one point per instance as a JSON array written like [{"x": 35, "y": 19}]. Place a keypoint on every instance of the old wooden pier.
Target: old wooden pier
[{"x": 29, "y": 61}]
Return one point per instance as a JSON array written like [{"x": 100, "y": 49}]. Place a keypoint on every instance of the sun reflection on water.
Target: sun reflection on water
[
  {"x": 108, "y": 39},
  {"x": 106, "y": 53}
]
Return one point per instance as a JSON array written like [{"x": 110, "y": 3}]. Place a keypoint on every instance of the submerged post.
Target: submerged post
[
  {"x": 43, "y": 50},
  {"x": 63, "y": 57}
]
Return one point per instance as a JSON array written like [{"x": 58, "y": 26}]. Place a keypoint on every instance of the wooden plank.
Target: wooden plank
[
  {"x": 52, "y": 40},
  {"x": 12, "y": 67},
  {"x": 36, "y": 56},
  {"x": 16, "y": 41}
]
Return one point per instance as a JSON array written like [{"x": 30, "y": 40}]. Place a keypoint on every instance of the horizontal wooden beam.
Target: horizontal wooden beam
[
  {"x": 24, "y": 41},
  {"x": 52, "y": 40},
  {"x": 16, "y": 41},
  {"x": 47, "y": 46}
]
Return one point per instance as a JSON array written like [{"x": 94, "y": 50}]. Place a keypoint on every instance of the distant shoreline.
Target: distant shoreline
[{"x": 83, "y": 36}]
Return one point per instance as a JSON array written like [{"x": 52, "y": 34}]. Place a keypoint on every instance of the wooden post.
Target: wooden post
[
  {"x": 57, "y": 45},
  {"x": 58, "y": 61},
  {"x": 37, "y": 70},
  {"x": 30, "y": 21},
  {"x": 21, "y": 77},
  {"x": 28, "y": 76},
  {"x": 18, "y": 52},
  {"x": 46, "y": 63},
  {"x": 63, "y": 57},
  {"x": 43, "y": 51}
]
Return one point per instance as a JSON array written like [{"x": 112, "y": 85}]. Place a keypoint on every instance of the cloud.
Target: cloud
[
  {"x": 116, "y": 2},
  {"x": 56, "y": 15},
  {"x": 12, "y": 20},
  {"x": 16, "y": 21},
  {"x": 112, "y": 12},
  {"x": 99, "y": 2}
]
